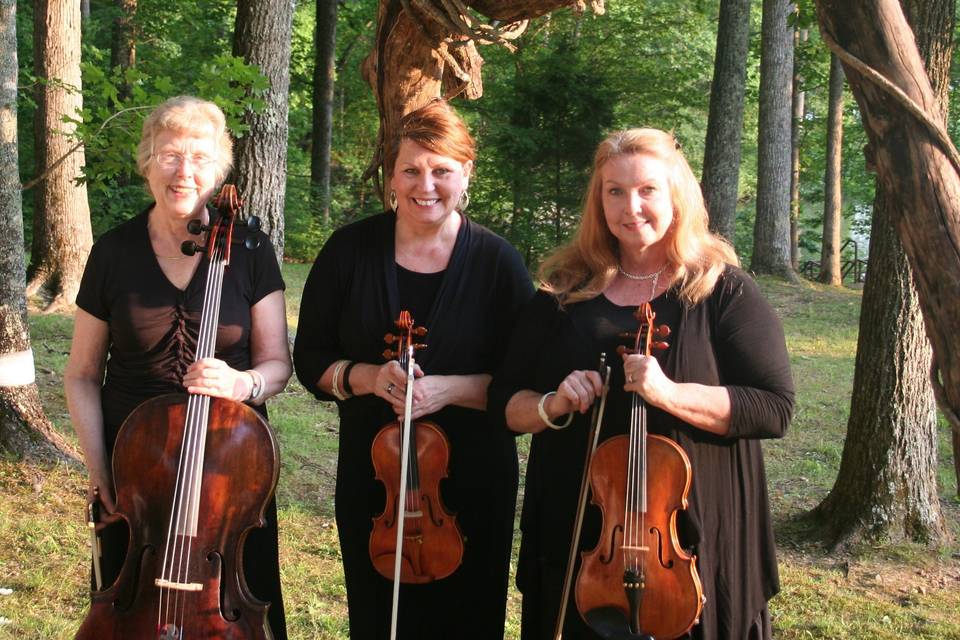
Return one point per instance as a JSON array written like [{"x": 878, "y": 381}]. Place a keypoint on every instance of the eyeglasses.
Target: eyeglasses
[{"x": 170, "y": 160}]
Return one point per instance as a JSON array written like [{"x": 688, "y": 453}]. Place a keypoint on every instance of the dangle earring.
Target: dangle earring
[
  {"x": 393, "y": 201},
  {"x": 464, "y": 200}
]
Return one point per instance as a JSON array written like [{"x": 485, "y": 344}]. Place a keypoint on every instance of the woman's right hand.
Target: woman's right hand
[
  {"x": 391, "y": 384},
  {"x": 576, "y": 393},
  {"x": 101, "y": 484}
]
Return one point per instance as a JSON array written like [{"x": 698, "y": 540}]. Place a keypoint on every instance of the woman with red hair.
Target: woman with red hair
[{"x": 466, "y": 286}]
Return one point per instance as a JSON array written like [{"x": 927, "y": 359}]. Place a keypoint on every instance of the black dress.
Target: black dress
[
  {"x": 153, "y": 337},
  {"x": 732, "y": 339},
  {"x": 350, "y": 300}
]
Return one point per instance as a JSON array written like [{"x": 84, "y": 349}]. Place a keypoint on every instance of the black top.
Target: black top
[
  {"x": 154, "y": 325},
  {"x": 153, "y": 329},
  {"x": 350, "y": 301},
  {"x": 732, "y": 339}
]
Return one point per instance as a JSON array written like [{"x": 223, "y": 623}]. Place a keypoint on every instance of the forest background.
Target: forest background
[{"x": 572, "y": 78}]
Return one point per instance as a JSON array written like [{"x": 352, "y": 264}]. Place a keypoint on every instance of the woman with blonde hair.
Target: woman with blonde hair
[
  {"x": 138, "y": 320},
  {"x": 722, "y": 384}
]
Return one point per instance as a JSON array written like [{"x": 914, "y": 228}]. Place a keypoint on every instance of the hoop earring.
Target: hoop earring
[
  {"x": 393, "y": 201},
  {"x": 464, "y": 200}
]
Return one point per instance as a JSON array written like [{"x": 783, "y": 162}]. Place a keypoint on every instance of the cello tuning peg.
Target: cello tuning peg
[
  {"x": 390, "y": 338},
  {"x": 622, "y": 350},
  {"x": 662, "y": 331},
  {"x": 388, "y": 354},
  {"x": 660, "y": 345},
  {"x": 189, "y": 247},
  {"x": 420, "y": 331},
  {"x": 419, "y": 345},
  {"x": 253, "y": 224},
  {"x": 196, "y": 227},
  {"x": 626, "y": 335}
]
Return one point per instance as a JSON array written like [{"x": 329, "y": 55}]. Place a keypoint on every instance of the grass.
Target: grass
[{"x": 883, "y": 593}]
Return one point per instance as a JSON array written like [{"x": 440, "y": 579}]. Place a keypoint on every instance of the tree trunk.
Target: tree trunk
[
  {"x": 323, "y": 86},
  {"x": 832, "y": 192},
  {"x": 887, "y": 485},
  {"x": 423, "y": 55},
  {"x": 796, "y": 128},
  {"x": 24, "y": 429},
  {"x": 886, "y": 489},
  {"x": 62, "y": 236},
  {"x": 123, "y": 50},
  {"x": 915, "y": 161},
  {"x": 262, "y": 38},
  {"x": 771, "y": 232},
  {"x": 721, "y": 156}
]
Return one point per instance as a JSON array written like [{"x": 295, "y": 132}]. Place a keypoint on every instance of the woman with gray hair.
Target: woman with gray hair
[{"x": 138, "y": 319}]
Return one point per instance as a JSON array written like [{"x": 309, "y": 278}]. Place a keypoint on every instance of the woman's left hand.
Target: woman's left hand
[
  {"x": 644, "y": 376},
  {"x": 215, "y": 378},
  {"x": 430, "y": 394}
]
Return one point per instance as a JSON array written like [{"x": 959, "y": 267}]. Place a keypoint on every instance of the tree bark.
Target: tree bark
[
  {"x": 771, "y": 232},
  {"x": 324, "y": 76},
  {"x": 887, "y": 485},
  {"x": 914, "y": 159},
  {"x": 262, "y": 38},
  {"x": 421, "y": 55},
  {"x": 796, "y": 128},
  {"x": 832, "y": 193},
  {"x": 24, "y": 429},
  {"x": 721, "y": 156},
  {"x": 62, "y": 235}
]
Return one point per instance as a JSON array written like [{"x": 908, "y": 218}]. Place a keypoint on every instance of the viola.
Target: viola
[
  {"x": 193, "y": 476},
  {"x": 411, "y": 458},
  {"x": 638, "y": 578}
]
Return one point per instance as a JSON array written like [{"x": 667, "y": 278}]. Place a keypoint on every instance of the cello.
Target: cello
[
  {"x": 639, "y": 582},
  {"x": 411, "y": 458},
  {"x": 193, "y": 476}
]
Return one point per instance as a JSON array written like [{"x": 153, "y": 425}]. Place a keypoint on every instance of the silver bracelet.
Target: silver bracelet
[{"x": 546, "y": 419}]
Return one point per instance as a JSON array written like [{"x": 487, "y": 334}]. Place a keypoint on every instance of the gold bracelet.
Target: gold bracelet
[{"x": 546, "y": 419}]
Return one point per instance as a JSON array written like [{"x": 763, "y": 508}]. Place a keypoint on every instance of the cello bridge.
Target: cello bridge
[{"x": 178, "y": 586}]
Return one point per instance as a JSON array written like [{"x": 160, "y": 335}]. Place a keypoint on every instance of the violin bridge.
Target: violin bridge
[{"x": 178, "y": 586}]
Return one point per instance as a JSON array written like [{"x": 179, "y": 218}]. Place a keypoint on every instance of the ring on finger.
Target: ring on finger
[{"x": 390, "y": 388}]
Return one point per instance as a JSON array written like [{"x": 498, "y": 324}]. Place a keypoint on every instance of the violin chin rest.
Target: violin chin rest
[{"x": 610, "y": 623}]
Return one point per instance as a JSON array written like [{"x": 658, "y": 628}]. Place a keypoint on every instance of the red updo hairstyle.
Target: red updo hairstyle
[{"x": 436, "y": 127}]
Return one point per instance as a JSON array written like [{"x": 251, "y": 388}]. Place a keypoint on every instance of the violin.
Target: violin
[
  {"x": 410, "y": 459},
  {"x": 193, "y": 476},
  {"x": 638, "y": 578}
]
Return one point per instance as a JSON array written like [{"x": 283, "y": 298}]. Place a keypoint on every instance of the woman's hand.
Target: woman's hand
[
  {"x": 430, "y": 394},
  {"x": 644, "y": 376},
  {"x": 215, "y": 378},
  {"x": 576, "y": 393},
  {"x": 391, "y": 384},
  {"x": 103, "y": 484}
]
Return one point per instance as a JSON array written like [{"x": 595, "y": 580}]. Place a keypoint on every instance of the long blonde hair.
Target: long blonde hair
[{"x": 587, "y": 265}]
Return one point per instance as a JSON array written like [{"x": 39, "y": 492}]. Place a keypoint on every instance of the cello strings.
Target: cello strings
[{"x": 190, "y": 465}]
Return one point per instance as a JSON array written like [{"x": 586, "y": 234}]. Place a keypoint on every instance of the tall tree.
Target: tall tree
[
  {"x": 262, "y": 38},
  {"x": 721, "y": 157},
  {"x": 62, "y": 236},
  {"x": 24, "y": 429},
  {"x": 771, "y": 232},
  {"x": 324, "y": 75},
  {"x": 887, "y": 485},
  {"x": 123, "y": 48},
  {"x": 832, "y": 193},
  {"x": 903, "y": 121},
  {"x": 799, "y": 36}
]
